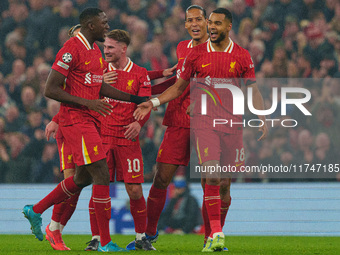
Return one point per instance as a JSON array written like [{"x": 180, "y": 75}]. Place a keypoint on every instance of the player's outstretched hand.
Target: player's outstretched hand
[
  {"x": 51, "y": 129},
  {"x": 264, "y": 130},
  {"x": 100, "y": 106},
  {"x": 132, "y": 130},
  {"x": 110, "y": 77},
  {"x": 142, "y": 110},
  {"x": 169, "y": 71}
]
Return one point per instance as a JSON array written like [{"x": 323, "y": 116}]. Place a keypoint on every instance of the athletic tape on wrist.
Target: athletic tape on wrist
[{"x": 155, "y": 102}]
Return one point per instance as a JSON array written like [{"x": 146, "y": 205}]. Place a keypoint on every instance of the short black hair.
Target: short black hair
[
  {"x": 88, "y": 14},
  {"x": 196, "y": 7},
  {"x": 226, "y": 12}
]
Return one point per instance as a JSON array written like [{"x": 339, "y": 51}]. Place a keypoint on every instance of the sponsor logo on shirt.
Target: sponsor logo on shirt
[
  {"x": 88, "y": 78},
  {"x": 204, "y": 65},
  {"x": 63, "y": 65}
]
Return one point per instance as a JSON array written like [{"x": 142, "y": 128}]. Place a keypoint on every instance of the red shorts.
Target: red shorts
[
  {"x": 175, "y": 148},
  {"x": 214, "y": 145},
  {"x": 125, "y": 162},
  {"x": 65, "y": 153},
  {"x": 85, "y": 142}
]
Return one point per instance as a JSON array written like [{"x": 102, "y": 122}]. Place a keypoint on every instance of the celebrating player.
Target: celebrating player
[
  {"x": 80, "y": 61},
  {"x": 63, "y": 211},
  {"x": 219, "y": 58},
  {"x": 175, "y": 148},
  {"x": 120, "y": 133}
]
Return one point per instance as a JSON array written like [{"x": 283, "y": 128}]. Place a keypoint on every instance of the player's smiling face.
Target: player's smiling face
[
  {"x": 218, "y": 27},
  {"x": 113, "y": 50},
  {"x": 196, "y": 24},
  {"x": 100, "y": 26}
]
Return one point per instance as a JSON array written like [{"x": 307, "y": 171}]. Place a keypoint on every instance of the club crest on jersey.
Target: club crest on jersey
[
  {"x": 232, "y": 67},
  {"x": 67, "y": 57},
  {"x": 129, "y": 85},
  {"x": 101, "y": 62},
  {"x": 95, "y": 149}
]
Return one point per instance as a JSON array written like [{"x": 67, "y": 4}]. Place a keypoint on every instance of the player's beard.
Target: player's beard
[{"x": 220, "y": 38}]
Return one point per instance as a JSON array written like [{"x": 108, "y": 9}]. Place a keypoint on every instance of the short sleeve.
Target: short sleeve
[
  {"x": 189, "y": 67},
  {"x": 248, "y": 70},
  {"x": 145, "y": 85},
  {"x": 66, "y": 59}
]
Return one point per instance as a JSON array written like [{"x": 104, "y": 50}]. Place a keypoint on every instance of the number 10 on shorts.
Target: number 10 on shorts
[{"x": 133, "y": 165}]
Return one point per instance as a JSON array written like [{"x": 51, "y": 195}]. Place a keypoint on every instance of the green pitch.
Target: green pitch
[{"x": 187, "y": 244}]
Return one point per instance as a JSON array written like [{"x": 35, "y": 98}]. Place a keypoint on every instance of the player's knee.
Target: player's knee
[
  {"x": 213, "y": 181},
  {"x": 134, "y": 191},
  {"x": 161, "y": 181}
]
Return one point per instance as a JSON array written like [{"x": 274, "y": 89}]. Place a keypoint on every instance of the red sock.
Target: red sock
[
  {"x": 102, "y": 207},
  {"x": 213, "y": 204},
  {"x": 93, "y": 219},
  {"x": 224, "y": 210},
  {"x": 64, "y": 190},
  {"x": 207, "y": 229},
  {"x": 155, "y": 205},
  {"x": 71, "y": 205},
  {"x": 58, "y": 211},
  {"x": 138, "y": 211}
]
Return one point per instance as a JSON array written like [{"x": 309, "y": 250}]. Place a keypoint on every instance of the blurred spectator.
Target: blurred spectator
[
  {"x": 28, "y": 100},
  {"x": 14, "y": 119},
  {"x": 37, "y": 29},
  {"x": 239, "y": 11},
  {"x": 34, "y": 123},
  {"x": 5, "y": 101},
  {"x": 46, "y": 169},
  {"x": 182, "y": 214},
  {"x": 317, "y": 45},
  {"x": 64, "y": 16}
]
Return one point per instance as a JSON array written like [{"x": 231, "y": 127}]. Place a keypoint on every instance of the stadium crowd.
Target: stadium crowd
[{"x": 287, "y": 40}]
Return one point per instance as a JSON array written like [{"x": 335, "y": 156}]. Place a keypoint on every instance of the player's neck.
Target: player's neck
[
  {"x": 121, "y": 63},
  {"x": 200, "y": 41},
  {"x": 222, "y": 45},
  {"x": 88, "y": 37}
]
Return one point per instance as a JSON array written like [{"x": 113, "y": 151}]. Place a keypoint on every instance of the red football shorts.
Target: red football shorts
[
  {"x": 125, "y": 162},
  {"x": 225, "y": 148},
  {"x": 65, "y": 153},
  {"x": 84, "y": 141},
  {"x": 175, "y": 147}
]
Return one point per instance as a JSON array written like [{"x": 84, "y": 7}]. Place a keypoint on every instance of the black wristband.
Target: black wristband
[{"x": 138, "y": 99}]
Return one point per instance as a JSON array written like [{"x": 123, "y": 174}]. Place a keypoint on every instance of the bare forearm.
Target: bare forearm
[
  {"x": 174, "y": 91},
  {"x": 58, "y": 94}
]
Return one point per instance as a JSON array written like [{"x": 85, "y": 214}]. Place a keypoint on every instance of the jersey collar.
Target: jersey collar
[
  {"x": 190, "y": 44},
  {"x": 229, "y": 49},
  {"x": 127, "y": 68},
  {"x": 83, "y": 39}
]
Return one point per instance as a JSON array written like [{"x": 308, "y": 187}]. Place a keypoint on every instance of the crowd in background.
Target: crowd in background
[{"x": 287, "y": 39}]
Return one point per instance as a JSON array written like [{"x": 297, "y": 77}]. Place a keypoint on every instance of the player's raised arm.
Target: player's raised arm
[
  {"x": 171, "y": 93},
  {"x": 259, "y": 105},
  {"x": 54, "y": 91}
]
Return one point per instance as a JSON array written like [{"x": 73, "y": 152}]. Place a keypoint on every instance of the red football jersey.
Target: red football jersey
[
  {"x": 213, "y": 67},
  {"x": 134, "y": 80},
  {"x": 82, "y": 65},
  {"x": 175, "y": 114}
]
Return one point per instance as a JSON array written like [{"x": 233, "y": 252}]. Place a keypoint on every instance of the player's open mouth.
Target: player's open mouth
[
  {"x": 213, "y": 35},
  {"x": 196, "y": 31}
]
